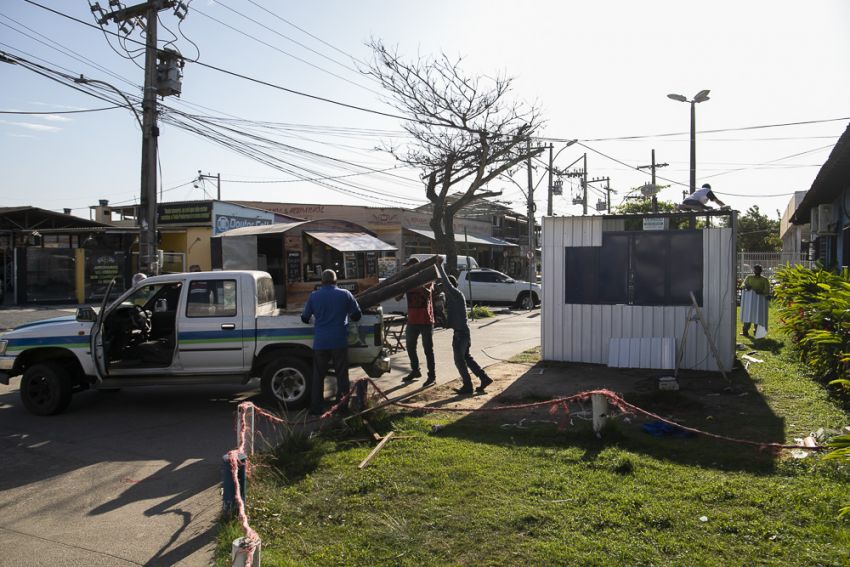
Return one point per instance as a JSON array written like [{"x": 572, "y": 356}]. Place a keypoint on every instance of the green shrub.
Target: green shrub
[
  {"x": 480, "y": 312},
  {"x": 814, "y": 309}
]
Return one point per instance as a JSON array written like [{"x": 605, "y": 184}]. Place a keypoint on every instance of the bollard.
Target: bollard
[
  {"x": 228, "y": 492},
  {"x": 239, "y": 553},
  {"x": 599, "y": 407}
]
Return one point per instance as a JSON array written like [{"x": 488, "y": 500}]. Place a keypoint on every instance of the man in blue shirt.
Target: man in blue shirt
[{"x": 332, "y": 307}]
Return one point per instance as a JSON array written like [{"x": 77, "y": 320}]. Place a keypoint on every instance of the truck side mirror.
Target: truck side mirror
[{"x": 86, "y": 314}]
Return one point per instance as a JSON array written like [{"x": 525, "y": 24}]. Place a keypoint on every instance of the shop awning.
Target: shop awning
[
  {"x": 352, "y": 241},
  {"x": 460, "y": 238},
  {"x": 276, "y": 228}
]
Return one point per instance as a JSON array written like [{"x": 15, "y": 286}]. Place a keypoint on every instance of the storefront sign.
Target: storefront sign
[
  {"x": 387, "y": 266},
  {"x": 101, "y": 268},
  {"x": 184, "y": 213},
  {"x": 650, "y": 223},
  {"x": 293, "y": 266},
  {"x": 371, "y": 264},
  {"x": 223, "y": 223}
]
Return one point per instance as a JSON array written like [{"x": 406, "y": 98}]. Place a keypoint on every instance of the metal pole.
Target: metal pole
[
  {"x": 608, "y": 191},
  {"x": 530, "y": 255},
  {"x": 551, "y": 164},
  {"x": 147, "y": 200},
  {"x": 218, "y": 184},
  {"x": 584, "y": 184},
  {"x": 654, "y": 194},
  {"x": 693, "y": 148}
]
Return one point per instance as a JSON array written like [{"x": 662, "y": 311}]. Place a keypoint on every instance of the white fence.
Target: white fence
[{"x": 770, "y": 261}]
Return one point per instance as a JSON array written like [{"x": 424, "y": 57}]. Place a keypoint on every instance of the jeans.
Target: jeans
[
  {"x": 464, "y": 360},
  {"x": 321, "y": 361},
  {"x": 411, "y": 337}
]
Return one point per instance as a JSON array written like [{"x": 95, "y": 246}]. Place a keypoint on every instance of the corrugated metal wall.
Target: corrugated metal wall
[{"x": 580, "y": 333}]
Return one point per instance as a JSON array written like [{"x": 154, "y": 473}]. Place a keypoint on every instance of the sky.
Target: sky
[{"x": 599, "y": 71}]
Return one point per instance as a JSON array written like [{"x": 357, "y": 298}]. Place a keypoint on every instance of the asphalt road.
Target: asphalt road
[{"x": 133, "y": 477}]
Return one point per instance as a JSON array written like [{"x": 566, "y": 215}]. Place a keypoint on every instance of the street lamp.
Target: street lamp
[{"x": 701, "y": 96}]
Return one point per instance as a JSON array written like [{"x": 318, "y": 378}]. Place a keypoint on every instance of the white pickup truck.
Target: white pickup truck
[
  {"x": 188, "y": 328},
  {"x": 489, "y": 287}
]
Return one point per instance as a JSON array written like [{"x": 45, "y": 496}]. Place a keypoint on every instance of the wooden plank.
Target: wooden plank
[{"x": 377, "y": 448}]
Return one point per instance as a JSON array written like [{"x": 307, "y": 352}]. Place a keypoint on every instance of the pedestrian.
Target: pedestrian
[
  {"x": 697, "y": 200},
  {"x": 420, "y": 321},
  {"x": 456, "y": 315},
  {"x": 754, "y": 306},
  {"x": 332, "y": 308}
]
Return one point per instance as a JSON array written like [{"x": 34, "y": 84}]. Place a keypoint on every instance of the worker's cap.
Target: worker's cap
[
  {"x": 411, "y": 261},
  {"x": 706, "y": 186}
]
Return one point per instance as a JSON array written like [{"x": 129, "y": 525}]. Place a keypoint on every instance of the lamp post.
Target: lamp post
[{"x": 701, "y": 96}]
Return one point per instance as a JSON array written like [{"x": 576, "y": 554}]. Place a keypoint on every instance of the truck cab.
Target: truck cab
[{"x": 188, "y": 328}]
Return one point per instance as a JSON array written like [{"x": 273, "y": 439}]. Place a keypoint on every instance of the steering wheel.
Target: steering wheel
[{"x": 140, "y": 320}]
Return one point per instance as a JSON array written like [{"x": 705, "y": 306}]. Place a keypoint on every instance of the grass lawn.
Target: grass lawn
[{"x": 476, "y": 493}]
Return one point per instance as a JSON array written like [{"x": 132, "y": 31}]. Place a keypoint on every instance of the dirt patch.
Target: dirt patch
[{"x": 704, "y": 400}]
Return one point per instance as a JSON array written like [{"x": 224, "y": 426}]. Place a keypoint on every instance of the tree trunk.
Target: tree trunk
[{"x": 444, "y": 239}]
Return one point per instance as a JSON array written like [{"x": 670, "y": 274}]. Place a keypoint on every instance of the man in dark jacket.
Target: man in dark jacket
[
  {"x": 456, "y": 315},
  {"x": 332, "y": 307}
]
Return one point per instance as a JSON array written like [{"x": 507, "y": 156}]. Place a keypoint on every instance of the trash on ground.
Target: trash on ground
[{"x": 662, "y": 429}]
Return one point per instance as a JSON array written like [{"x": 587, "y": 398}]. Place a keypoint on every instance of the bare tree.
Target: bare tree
[{"x": 465, "y": 131}]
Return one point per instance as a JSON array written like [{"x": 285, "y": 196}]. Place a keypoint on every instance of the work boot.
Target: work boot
[
  {"x": 465, "y": 391},
  {"x": 486, "y": 381},
  {"x": 414, "y": 374},
  {"x": 430, "y": 381}
]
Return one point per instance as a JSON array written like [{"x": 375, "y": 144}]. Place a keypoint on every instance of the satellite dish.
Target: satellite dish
[{"x": 648, "y": 189}]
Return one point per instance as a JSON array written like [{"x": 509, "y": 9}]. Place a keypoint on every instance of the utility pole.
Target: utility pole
[
  {"x": 551, "y": 165},
  {"x": 158, "y": 81},
  {"x": 584, "y": 184},
  {"x": 217, "y": 178},
  {"x": 530, "y": 255},
  {"x": 608, "y": 189},
  {"x": 653, "y": 167}
]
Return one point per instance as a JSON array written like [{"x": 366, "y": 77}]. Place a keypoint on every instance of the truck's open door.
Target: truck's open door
[{"x": 97, "y": 351}]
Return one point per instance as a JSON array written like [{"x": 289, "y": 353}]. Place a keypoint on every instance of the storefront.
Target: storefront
[
  {"x": 296, "y": 253},
  {"x": 186, "y": 227},
  {"x": 50, "y": 257},
  {"x": 410, "y": 231}
]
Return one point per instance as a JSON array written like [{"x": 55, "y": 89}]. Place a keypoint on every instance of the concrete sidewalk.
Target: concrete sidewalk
[{"x": 132, "y": 478}]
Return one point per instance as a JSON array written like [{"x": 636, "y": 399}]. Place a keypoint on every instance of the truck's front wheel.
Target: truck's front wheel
[
  {"x": 46, "y": 389},
  {"x": 286, "y": 380}
]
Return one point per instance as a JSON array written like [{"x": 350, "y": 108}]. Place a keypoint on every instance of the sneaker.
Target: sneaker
[
  {"x": 486, "y": 381},
  {"x": 465, "y": 391},
  {"x": 412, "y": 376},
  {"x": 429, "y": 382}
]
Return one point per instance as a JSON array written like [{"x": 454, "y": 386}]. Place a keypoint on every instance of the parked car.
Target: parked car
[
  {"x": 188, "y": 328},
  {"x": 495, "y": 288},
  {"x": 463, "y": 262}
]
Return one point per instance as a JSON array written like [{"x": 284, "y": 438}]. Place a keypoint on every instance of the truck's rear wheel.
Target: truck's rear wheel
[
  {"x": 286, "y": 381},
  {"x": 46, "y": 389}
]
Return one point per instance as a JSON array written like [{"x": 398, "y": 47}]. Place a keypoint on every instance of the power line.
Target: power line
[
  {"x": 739, "y": 129},
  {"x": 266, "y": 83},
  {"x": 62, "y": 111},
  {"x": 279, "y": 50},
  {"x": 356, "y": 60}
]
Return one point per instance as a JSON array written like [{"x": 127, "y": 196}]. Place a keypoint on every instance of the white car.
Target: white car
[{"x": 492, "y": 287}]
